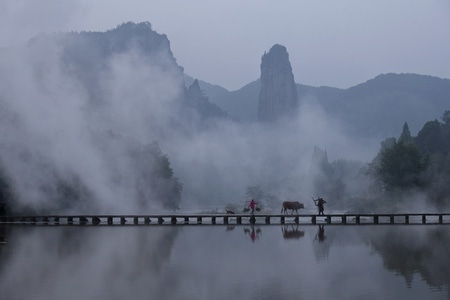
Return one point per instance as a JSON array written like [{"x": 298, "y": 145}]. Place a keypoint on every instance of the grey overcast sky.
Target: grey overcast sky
[{"x": 330, "y": 42}]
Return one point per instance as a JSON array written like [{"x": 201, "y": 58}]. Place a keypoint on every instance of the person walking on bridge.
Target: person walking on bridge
[
  {"x": 320, "y": 205},
  {"x": 252, "y": 206}
]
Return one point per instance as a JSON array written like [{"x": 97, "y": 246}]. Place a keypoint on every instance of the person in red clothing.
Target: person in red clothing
[{"x": 252, "y": 205}]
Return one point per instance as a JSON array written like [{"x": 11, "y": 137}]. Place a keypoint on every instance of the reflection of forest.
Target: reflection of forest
[
  {"x": 423, "y": 250},
  {"x": 4, "y": 237}
]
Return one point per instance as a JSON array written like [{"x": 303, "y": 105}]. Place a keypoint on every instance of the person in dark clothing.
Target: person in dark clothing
[{"x": 320, "y": 205}]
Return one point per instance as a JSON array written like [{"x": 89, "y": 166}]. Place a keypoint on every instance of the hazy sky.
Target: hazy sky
[{"x": 335, "y": 43}]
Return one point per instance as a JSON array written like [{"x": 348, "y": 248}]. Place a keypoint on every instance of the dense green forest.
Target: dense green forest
[{"x": 406, "y": 169}]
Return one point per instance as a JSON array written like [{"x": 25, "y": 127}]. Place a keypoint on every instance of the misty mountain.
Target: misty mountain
[
  {"x": 241, "y": 104},
  {"x": 72, "y": 105},
  {"x": 278, "y": 98},
  {"x": 376, "y": 108},
  {"x": 88, "y": 56}
]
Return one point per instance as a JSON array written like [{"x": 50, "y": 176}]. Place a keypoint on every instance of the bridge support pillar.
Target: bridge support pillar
[
  {"x": 282, "y": 220},
  {"x": 344, "y": 220},
  {"x": 147, "y": 220},
  {"x": 199, "y": 220},
  {"x": 70, "y": 220},
  {"x": 375, "y": 219},
  {"x": 122, "y": 221},
  {"x": 313, "y": 219},
  {"x": 424, "y": 219},
  {"x": 213, "y": 220},
  {"x": 267, "y": 220},
  {"x": 110, "y": 220},
  {"x": 252, "y": 220},
  {"x": 173, "y": 220},
  {"x": 136, "y": 220},
  {"x": 160, "y": 220},
  {"x": 296, "y": 220},
  {"x": 225, "y": 220},
  {"x": 96, "y": 220},
  {"x": 440, "y": 219},
  {"x": 186, "y": 220},
  {"x": 391, "y": 219},
  {"x": 239, "y": 220},
  {"x": 358, "y": 219},
  {"x": 406, "y": 219}
]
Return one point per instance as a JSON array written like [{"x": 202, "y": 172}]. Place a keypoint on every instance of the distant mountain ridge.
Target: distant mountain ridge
[{"x": 377, "y": 107}]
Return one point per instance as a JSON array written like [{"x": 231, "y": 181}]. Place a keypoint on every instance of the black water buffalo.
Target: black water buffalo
[{"x": 292, "y": 205}]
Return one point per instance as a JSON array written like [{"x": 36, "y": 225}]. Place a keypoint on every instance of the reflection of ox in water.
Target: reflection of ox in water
[
  {"x": 292, "y": 233},
  {"x": 292, "y": 205}
]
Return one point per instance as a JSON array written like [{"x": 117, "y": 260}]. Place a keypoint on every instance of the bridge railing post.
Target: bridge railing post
[{"x": 96, "y": 220}]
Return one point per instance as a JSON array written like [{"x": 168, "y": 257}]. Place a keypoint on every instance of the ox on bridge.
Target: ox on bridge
[{"x": 292, "y": 205}]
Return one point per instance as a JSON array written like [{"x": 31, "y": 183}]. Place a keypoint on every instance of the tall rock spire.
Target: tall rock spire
[{"x": 278, "y": 95}]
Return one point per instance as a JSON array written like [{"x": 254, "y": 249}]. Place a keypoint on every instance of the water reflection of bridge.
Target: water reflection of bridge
[{"x": 225, "y": 219}]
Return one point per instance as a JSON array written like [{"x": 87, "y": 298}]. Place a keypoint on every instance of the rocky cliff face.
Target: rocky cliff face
[
  {"x": 278, "y": 95},
  {"x": 196, "y": 99}
]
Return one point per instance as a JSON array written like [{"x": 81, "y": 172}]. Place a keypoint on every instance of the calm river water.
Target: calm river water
[{"x": 220, "y": 262}]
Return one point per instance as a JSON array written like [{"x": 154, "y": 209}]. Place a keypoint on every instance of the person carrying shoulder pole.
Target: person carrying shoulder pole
[
  {"x": 320, "y": 204},
  {"x": 252, "y": 205}
]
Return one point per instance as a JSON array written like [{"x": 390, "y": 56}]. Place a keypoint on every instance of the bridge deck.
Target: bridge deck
[{"x": 227, "y": 219}]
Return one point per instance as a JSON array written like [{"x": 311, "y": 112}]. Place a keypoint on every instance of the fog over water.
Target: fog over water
[
  {"x": 50, "y": 123},
  {"x": 206, "y": 262}
]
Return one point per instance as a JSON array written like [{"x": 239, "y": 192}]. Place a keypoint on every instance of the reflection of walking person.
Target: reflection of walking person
[
  {"x": 320, "y": 204},
  {"x": 252, "y": 205},
  {"x": 321, "y": 233},
  {"x": 253, "y": 234}
]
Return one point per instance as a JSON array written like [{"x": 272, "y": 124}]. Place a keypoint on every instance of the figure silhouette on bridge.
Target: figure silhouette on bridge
[
  {"x": 320, "y": 205},
  {"x": 252, "y": 206}
]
